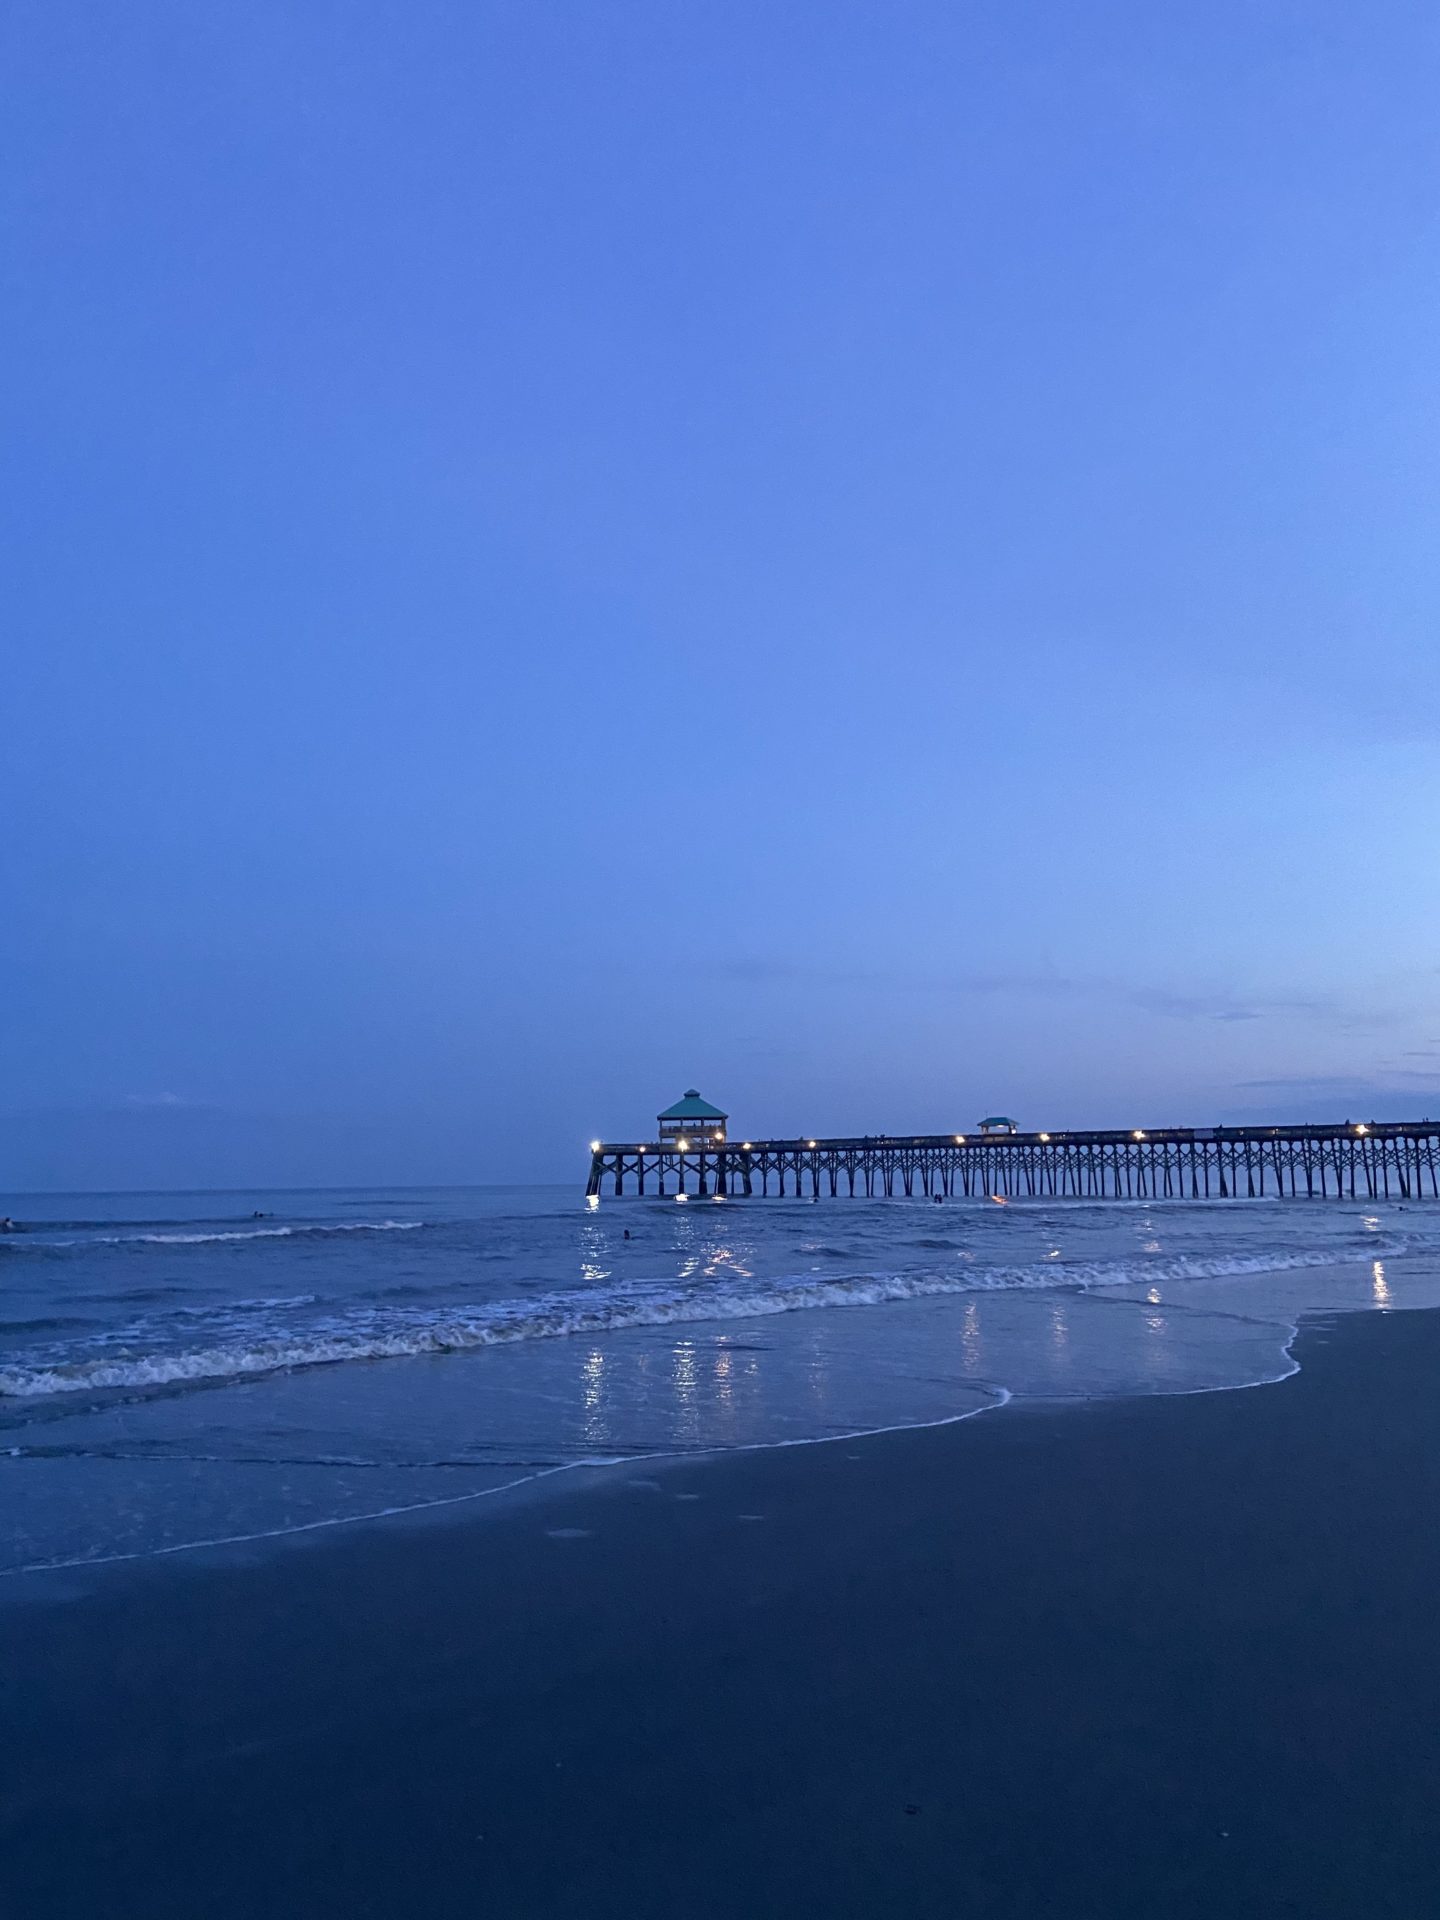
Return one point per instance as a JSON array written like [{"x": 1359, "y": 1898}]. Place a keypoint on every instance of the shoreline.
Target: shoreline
[
  {"x": 228, "y": 1418},
  {"x": 592, "y": 1471},
  {"x": 1163, "y": 1654},
  {"x": 32, "y": 1580}
]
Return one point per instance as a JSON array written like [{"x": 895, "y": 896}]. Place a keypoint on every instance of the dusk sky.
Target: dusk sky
[{"x": 876, "y": 560}]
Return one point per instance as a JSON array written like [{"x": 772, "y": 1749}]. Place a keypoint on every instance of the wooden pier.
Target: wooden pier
[{"x": 1369, "y": 1160}]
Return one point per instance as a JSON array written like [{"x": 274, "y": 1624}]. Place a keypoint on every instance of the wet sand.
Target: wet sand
[{"x": 1169, "y": 1657}]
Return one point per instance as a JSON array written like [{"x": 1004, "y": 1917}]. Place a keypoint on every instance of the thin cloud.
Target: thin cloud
[
  {"x": 1219, "y": 1004},
  {"x": 1343, "y": 1085},
  {"x": 128, "y": 1106}
]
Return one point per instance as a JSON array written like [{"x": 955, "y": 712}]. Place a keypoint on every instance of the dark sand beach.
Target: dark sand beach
[{"x": 1174, "y": 1656}]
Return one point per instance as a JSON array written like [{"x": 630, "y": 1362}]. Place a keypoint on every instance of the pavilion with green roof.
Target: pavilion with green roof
[{"x": 693, "y": 1119}]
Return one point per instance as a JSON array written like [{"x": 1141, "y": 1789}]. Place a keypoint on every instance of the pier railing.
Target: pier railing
[{"x": 1361, "y": 1160}]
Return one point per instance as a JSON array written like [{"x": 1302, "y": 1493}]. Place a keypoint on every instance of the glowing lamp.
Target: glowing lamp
[
  {"x": 682, "y": 1144},
  {"x": 1139, "y": 1133},
  {"x": 594, "y": 1146}
]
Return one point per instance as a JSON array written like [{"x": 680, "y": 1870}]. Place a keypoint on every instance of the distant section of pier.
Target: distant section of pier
[{"x": 1364, "y": 1160}]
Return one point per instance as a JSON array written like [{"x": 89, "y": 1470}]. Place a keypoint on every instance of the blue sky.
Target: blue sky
[{"x": 876, "y": 560}]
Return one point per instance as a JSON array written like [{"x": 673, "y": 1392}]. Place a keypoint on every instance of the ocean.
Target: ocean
[{"x": 181, "y": 1371}]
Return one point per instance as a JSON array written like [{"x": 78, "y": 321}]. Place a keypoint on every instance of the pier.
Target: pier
[{"x": 1361, "y": 1160}]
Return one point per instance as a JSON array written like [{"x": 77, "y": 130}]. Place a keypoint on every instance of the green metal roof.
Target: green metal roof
[
  {"x": 997, "y": 1120},
  {"x": 692, "y": 1107}
]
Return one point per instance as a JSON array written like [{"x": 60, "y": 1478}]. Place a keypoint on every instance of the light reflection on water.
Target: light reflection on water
[
  {"x": 1059, "y": 1330},
  {"x": 748, "y": 1383},
  {"x": 593, "y": 1395},
  {"x": 970, "y": 1338},
  {"x": 1163, "y": 1357},
  {"x": 724, "y": 1384},
  {"x": 687, "y": 1400}
]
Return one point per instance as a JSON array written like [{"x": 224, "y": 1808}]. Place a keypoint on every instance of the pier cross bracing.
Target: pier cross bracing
[{"x": 1369, "y": 1160}]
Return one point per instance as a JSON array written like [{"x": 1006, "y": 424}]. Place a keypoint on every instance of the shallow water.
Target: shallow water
[{"x": 174, "y": 1369}]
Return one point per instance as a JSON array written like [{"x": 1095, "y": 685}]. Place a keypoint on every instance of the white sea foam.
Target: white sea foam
[{"x": 402, "y": 1333}]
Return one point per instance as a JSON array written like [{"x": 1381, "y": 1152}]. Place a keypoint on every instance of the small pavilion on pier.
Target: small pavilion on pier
[{"x": 693, "y": 1119}]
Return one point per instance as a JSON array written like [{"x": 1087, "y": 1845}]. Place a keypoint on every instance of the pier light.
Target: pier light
[
  {"x": 1361, "y": 1128},
  {"x": 717, "y": 1138},
  {"x": 810, "y": 1143},
  {"x": 1139, "y": 1133},
  {"x": 959, "y": 1139},
  {"x": 594, "y": 1146},
  {"x": 682, "y": 1145},
  {"x": 1045, "y": 1136},
  {"x": 747, "y": 1146}
]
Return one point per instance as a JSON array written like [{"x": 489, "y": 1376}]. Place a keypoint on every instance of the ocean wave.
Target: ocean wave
[
  {"x": 376, "y": 1335},
  {"x": 257, "y": 1303},
  {"x": 45, "y": 1323},
  {"x": 300, "y": 1230}
]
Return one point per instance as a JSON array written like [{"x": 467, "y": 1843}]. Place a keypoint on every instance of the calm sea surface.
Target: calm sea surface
[{"x": 189, "y": 1368}]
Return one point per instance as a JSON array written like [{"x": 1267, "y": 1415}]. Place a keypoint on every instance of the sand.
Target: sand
[{"x": 1162, "y": 1657}]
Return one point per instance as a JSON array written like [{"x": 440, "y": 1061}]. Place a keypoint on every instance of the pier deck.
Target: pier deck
[{"x": 1392, "y": 1160}]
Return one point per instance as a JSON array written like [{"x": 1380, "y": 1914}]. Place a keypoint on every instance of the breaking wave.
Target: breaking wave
[
  {"x": 317, "y": 1232},
  {"x": 375, "y": 1334},
  {"x": 306, "y": 1230}
]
